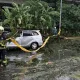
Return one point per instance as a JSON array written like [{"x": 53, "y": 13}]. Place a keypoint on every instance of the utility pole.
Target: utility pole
[{"x": 60, "y": 15}]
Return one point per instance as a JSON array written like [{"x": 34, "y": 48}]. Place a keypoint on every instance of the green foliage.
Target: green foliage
[
  {"x": 32, "y": 14},
  {"x": 71, "y": 18},
  {"x": 36, "y": 14},
  {"x": 17, "y": 17}
]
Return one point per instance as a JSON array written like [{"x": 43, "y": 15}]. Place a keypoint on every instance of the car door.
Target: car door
[{"x": 26, "y": 39}]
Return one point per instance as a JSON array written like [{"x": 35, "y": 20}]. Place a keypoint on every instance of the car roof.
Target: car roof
[{"x": 30, "y": 30}]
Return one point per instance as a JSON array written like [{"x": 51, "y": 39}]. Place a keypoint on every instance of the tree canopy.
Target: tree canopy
[
  {"x": 71, "y": 18},
  {"x": 31, "y": 14}
]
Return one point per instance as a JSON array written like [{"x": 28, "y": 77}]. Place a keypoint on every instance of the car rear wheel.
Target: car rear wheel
[{"x": 34, "y": 45}]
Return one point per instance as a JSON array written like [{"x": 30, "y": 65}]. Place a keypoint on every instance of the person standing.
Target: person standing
[
  {"x": 54, "y": 31},
  {"x": 3, "y": 61}
]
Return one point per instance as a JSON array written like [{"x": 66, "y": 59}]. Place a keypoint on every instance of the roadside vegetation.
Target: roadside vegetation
[
  {"x": 70, "y": 19},
  {"x": 60, "y": 57},
  {"x": 31, "y": 15},
  {"x": 38, "y": 15}
]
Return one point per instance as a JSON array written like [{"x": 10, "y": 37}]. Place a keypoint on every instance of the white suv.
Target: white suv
[{"x": 28, "y": 38}]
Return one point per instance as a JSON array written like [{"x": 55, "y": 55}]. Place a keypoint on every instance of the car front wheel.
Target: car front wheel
[{"x": 34, "y": 45}]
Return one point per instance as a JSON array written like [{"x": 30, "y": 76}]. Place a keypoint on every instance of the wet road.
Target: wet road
[
  {"x": 61, "y": 62},
  {"x": 14, "y": 55},
  {"x": 57, "y": 70}
]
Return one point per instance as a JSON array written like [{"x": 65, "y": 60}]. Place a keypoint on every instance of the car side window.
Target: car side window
[
  {"x": 35, "y": 33},
  {"x": 27, "y": 34}
]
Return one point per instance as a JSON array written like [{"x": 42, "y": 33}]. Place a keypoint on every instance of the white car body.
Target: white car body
[{"x": 28, "y": 38}]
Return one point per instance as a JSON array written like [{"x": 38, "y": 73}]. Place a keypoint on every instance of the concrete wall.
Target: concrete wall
[
  {"x": 10, "y": 1},
  {"x": 76, "y": 1}
]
